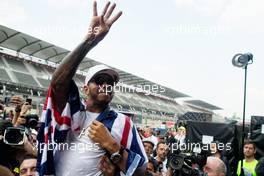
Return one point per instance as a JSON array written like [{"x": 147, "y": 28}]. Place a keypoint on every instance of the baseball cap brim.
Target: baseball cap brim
[{"x": 101, "y": 69}]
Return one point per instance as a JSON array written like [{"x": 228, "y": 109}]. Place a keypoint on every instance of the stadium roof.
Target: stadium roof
[
  {"x": 32, "y": 46},
  {"x": 26, "y": 44},
  {"x": 201, "y": 103}
]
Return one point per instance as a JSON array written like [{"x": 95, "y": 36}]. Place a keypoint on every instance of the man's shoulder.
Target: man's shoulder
[
  {"x": 121, "y": 115},
  {"x": 123, "y": 119},
  {"x": 255, "y": 162}
]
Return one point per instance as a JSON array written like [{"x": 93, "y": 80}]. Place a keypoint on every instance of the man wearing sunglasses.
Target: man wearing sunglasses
[{"x": 105, "y": 142}]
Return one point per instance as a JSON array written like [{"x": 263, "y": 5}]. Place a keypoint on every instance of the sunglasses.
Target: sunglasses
[{"x": 103, "y": 79}]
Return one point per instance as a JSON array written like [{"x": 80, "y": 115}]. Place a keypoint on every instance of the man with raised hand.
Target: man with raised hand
[{"x": 84, "y": 138}]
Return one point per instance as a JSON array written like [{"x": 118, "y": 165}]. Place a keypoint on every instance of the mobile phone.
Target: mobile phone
[{"x": 29, "y": 100}]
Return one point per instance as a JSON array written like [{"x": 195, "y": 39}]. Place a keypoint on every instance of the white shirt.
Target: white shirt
[
  {"x": 164, "y": 166},
  {"x": 82, "y": 156}
]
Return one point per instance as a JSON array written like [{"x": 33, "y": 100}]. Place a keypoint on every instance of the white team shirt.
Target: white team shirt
[{"x": 83, "y": 155}]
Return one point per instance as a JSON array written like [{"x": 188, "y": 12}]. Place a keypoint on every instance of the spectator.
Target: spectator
[
  {"x": 214, "y": 167},
  {"x": 181, "y": 135},
  {"x": 150, "y": 136},
  {"x": 162, "y": 157},
  {"x": 91, "y": 123},
  {"x": 21, "y": 117},
  {"x": 148, "y": 146},
  {"x": 249, "y": 163},
  {"x": 7, "y": 153},
  {"x": 12, "y": 154},
  {"x": 170, "y": 138},
  {"x": 140, "y": 132},
  {"x": 152, "y": 166},
  {"x": 28, "y": 166},
  {"x": 10, "y": 115},
  {"x": 218, "y": 152}
]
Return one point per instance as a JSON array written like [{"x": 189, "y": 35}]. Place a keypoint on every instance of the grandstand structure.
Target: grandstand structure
[{"x": 27, "y": 65}]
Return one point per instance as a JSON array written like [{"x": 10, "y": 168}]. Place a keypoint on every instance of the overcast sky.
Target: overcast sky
[{"x": 186, "y": 45}]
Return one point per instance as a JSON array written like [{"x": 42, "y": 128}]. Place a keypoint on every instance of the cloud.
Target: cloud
[{"x": 11, "y": 12}]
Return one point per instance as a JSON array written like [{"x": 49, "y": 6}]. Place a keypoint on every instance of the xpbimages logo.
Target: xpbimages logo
[
  {"x": 147, "y": 89},
  {"x": 213, "y": 147},
  {"x": 79, "y": 147}
]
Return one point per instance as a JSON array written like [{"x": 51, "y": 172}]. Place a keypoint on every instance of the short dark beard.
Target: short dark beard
[{"x": 94, "y": 105}]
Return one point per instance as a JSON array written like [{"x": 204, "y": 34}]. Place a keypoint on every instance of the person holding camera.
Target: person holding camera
[
  {"x": 18, "y": 132},
  {"x": 22, "y": 109},
  {"x": 14, "y": 144}
]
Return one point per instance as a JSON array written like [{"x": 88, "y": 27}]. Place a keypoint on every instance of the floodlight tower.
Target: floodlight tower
[{"x": 243, "y": 60}]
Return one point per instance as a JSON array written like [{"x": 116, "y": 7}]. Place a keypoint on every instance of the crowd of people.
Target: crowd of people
[
  {"x": 22, "y": 159},
  {"x": 102, "y": 141}
]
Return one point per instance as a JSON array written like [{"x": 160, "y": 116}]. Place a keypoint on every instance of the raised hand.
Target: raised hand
[
  {"x": 100, "y": 24},
  {"x": 99, "y": 27}
]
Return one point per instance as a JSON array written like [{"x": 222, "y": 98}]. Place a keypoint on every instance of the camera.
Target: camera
[
  {"x": 182, "y": 164},
  {"x": 14, "y": 136},
  {"x": 31, "y": 120},
  {"x": 29, "y": 101},
  {"x": 188, "y": 163}
]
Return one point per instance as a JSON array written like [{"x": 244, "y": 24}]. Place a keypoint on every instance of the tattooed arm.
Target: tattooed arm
[{"x": 99, "y": 27}]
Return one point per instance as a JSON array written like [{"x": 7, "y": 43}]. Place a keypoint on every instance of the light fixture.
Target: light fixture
[{"x": 243, "y": 60}]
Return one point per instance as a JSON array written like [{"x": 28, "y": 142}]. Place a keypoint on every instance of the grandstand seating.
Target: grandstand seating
[
  {"x": 17, "y": 65},
  {"x": 37, "y": 68},
  {"x": 25, "y": 79},
  {"x": 38, "y": 76},
  {"x": 3, "y": 75},
  {"x": 2, "y": 64},
  {"x": 44, "y": 82}
]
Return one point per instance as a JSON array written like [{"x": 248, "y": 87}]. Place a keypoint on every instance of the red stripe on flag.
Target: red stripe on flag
[
  {"x": 50, "y": 130},
  {"x": 46, "y": 138},
  {"x": 77, "y": 129},
  {"x": 125, "y": 132},
  {"x": 61, "y": 120}
]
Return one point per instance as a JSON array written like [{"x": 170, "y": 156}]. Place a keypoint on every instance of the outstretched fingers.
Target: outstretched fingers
[
  {"x": 105, "y": 17},
  {"x": 105, "y": 8},
  {"x": 111, "y": 21},
  {"x": 94, "y": 8},
  {"x": 110, "y": 11}
]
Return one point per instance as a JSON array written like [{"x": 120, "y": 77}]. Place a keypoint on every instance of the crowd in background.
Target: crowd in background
[{"x": 19, "y": 156}]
